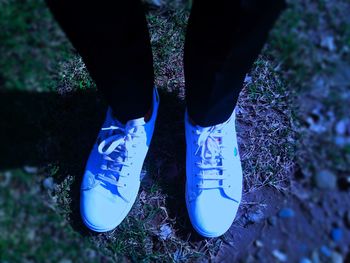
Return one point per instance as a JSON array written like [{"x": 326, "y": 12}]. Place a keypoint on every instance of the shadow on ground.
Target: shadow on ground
[{"x": 42, "y": 129}]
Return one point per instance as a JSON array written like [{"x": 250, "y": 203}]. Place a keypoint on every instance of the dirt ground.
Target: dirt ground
[{"x": 308, "y": 231}]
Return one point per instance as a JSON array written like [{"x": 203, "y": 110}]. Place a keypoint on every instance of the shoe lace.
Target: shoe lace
[
  {"x": 209, "y": 157},
  {"x": 116, "y": 149}
]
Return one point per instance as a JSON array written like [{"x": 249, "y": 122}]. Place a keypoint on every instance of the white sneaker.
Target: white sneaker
[
  {"x": 112, "y": 175},
  {"x": 213, "y": 176}
]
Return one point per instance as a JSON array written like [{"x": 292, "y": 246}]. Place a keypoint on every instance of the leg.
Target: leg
[
  {"x": 113, "y": 40},
  {"x": 223, "y": 40}
]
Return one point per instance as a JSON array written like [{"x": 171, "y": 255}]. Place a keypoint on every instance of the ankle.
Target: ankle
[
  {"x": 148, "y": 115},
  {"x": 191, "y": 121}
]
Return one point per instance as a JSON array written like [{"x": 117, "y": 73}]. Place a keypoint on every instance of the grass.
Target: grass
[
  {"x": 320, "y": 82},
  {"x": 30, "y": 46},
  {"x": 32, "y": 230},
  {"x": 167, "y": 29},
  {"x": 264, "y": 115},
  {"x": 138, "y": 238},
  {"x": 43, "y": 225}
]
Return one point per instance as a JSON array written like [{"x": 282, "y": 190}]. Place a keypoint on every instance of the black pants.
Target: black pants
[{"x": 223, "y": 39}]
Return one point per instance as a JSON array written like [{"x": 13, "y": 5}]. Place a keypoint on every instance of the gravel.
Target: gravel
[
  {"x": 326, "y": 180},
  {"x": 48, "y": 183},
  {"x": 255, "y": 216},
  {"x": 336, "y": 234},
  {"x": 326, "y": 251},
  {"x": 286, "y": 213},
  {"x": 279, "y": 255}
]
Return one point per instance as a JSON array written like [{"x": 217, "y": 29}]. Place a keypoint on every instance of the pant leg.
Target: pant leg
[
  {"x": 112, "y": 38},
  {"x": 223, "y": 40}
]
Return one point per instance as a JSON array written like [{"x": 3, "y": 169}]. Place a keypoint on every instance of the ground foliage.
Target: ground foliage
[{"x": 291, "y": 118}]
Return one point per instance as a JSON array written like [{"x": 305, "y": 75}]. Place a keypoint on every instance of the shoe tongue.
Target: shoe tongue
[
  {"x": 136, "y": 122},
  {"x": 202, "y": 129},
  {"x": 118, "y": 123}
]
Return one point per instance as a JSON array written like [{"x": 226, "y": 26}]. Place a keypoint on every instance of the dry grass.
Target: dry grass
[
  {"x": 264, "y": 108},
  {"x": 167, "y": 30},
  {"x": 317, "y": 69},
  {"x": 267, "y": 130},
  {"x": 265, "y": 134}
]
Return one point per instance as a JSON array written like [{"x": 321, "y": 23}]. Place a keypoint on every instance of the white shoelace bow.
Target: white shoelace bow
[
  {"x": 210, "y": 163},
  {"x": 117, "y": 154}
]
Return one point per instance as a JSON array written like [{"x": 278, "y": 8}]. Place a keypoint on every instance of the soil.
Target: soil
[{"x": 301, "y": 236}]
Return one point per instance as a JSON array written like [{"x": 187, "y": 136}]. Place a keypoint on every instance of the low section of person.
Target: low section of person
[
  {"x": 223, "y": 40},
  {"x": 112, "y": 176}
]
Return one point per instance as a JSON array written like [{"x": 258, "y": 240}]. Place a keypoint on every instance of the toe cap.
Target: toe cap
[
  {"x": 101, "y": 212},
  {"x": 212, "y": 214}
]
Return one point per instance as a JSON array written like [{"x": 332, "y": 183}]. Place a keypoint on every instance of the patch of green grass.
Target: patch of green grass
[
  {"x": 267, "y": 138},
  {"x": 315, "y": 71},
  {"x": 35, "y": 54},
  {"x": 38, "y": 57},
  {"x": 167, "y": 29},
  {"x": 35, "y": 223},
  {"x": 31, "y": 230},
  {"x": 29, "y": 43},
  {"x": 284, "y": 39}
]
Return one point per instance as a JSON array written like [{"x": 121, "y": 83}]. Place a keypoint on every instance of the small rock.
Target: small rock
[
  {"x": 305, "y": 260},
  {"x": 280, "y": 256},
  {"x": 48, "y": 183},
  {"x": 340, "y": 140},
  {"x": 328, "y": 42},
  {"x": 165, "y": 232},
  {"x": 314, "y": 126},
  {"x": 325, "y": 180},
  {"x": 30, "y": 169},
  {"x": 248, "y": 79},
  {"x": 258, "y": 243},
  {"x": 272, "y": 220},
  {"x": 286, "y": 213},
  {"x": 336, "y": 234},
  {"x": 255, "y": 216},
  {"x": 341, "y": 127},
  {"x": 337, "y": 258},
  {"x": 156, "y": 2},
  {"x": 319, "y": 83},
  {"x": 325, "y": 251},
  {"x": 31, "y": 234}
]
